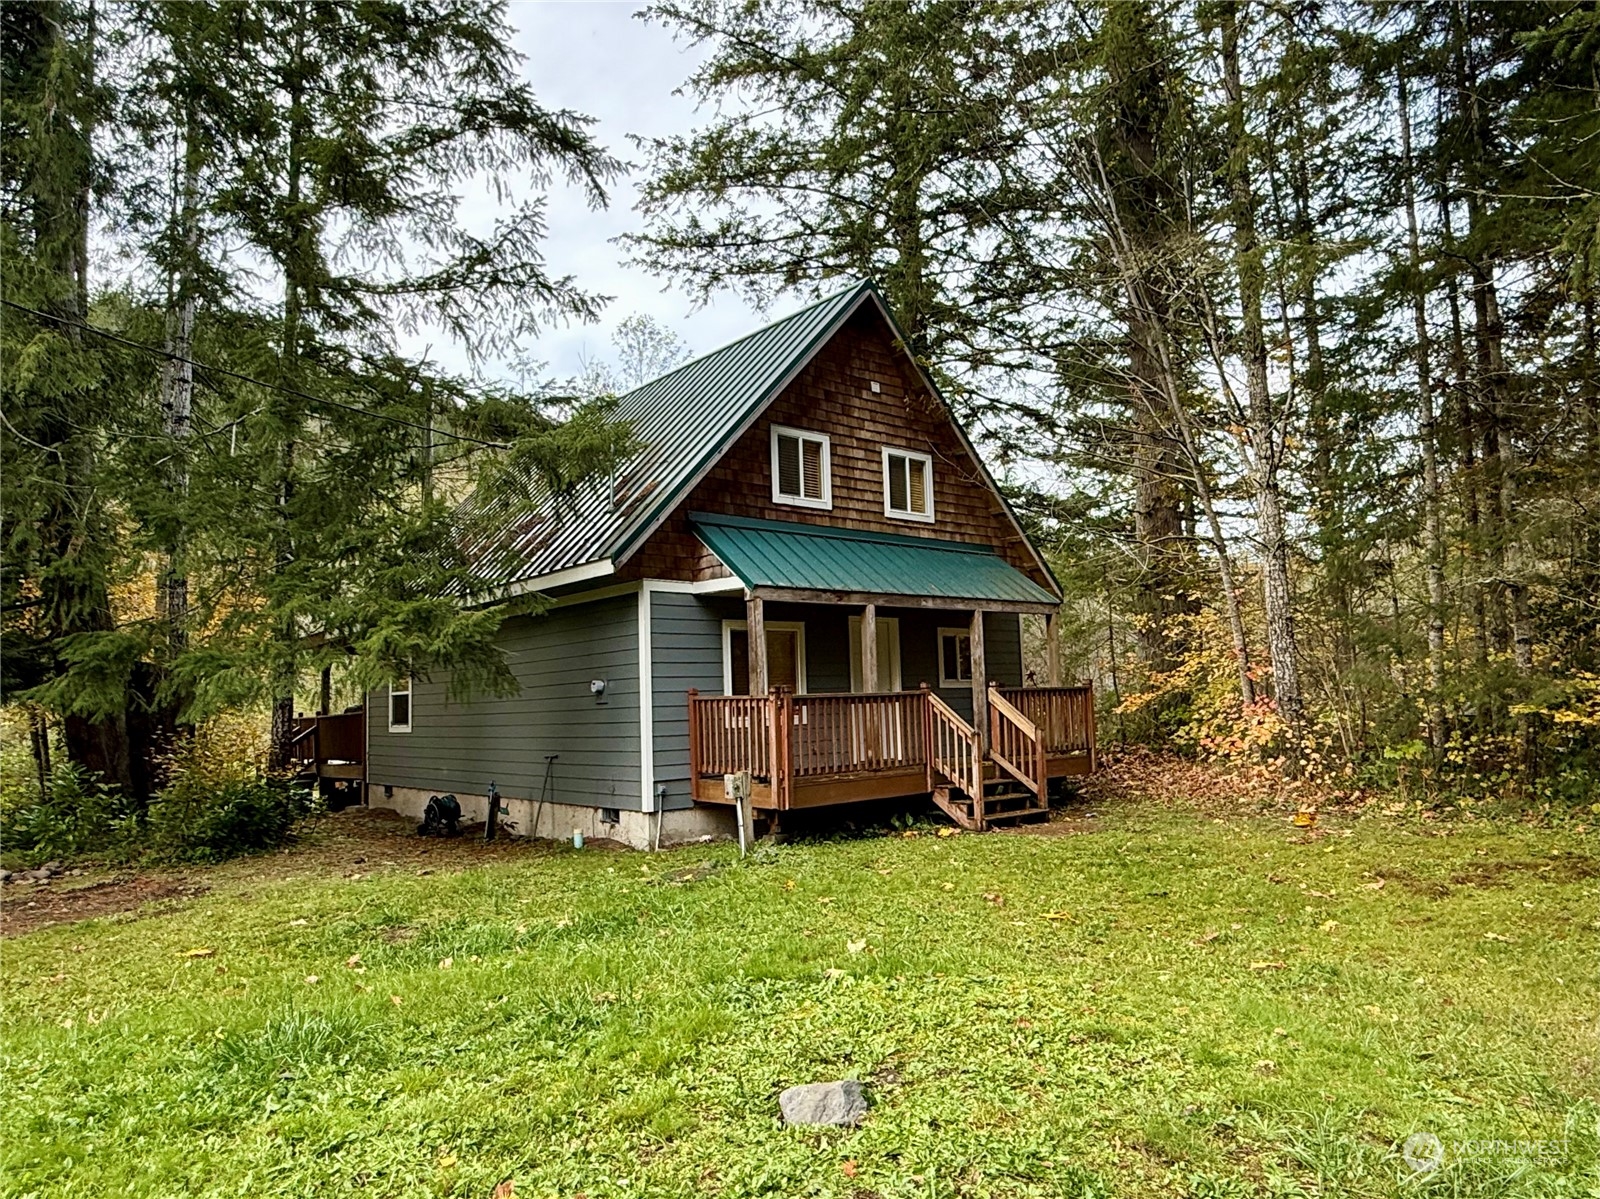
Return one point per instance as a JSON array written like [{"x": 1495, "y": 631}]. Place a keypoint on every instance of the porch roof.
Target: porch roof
[{"x": 779, "y": 556}]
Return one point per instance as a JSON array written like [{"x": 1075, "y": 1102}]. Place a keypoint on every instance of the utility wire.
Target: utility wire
[{"x": 222, "y": 370}]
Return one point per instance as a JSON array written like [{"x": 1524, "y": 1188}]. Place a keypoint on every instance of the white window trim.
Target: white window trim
[
  {"x": 950, "y": 632},
  {"x": 894, "y": 513},
  {"x": 827, "y": 468},
  {"x": 411, "y": 710},
  {"x": 890, "y": 668},
  {"x": 729, "y": 627}
]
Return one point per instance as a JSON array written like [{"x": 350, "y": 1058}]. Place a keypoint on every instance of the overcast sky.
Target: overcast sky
[{"x": 595, "y": 58}]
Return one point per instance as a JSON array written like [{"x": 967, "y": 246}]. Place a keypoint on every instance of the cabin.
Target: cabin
[{"x": 805, "y": 573}]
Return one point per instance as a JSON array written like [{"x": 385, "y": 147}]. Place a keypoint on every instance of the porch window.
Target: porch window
[
  {"x": 400, "y": 706},
  {"x": 907, "y": 484},
  {"x": 955, "y": 657},
  {"x": 800, "y": 468},
  {"x": 786, "y": 656}
]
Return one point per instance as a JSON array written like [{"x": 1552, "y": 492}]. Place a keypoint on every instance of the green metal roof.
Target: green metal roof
[
  {"x": 803, "y": 557},
  {"x": 683, "y": 421}
]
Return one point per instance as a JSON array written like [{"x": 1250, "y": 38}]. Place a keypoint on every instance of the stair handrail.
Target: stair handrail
[
  {"x": 964, "y": 768},
  {"x": 1010, "y": 729}
]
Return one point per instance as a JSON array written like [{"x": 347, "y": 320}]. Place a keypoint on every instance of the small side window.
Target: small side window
[
  {"x": 400, "y": 706},
  {"x": 907, "y": 484},
  {"x": 800, "y": 468},
  {"x": 955, "y": 657}
]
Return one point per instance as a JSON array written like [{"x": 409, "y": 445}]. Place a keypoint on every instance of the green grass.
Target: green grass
[{"x": 1093, "y": 1015}]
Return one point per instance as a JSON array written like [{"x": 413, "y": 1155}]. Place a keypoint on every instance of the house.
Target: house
[{"x": 805, "y": 573}]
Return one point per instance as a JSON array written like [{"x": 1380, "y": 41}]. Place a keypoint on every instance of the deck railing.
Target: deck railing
[
  {"x": 957, "y": 753},
  {"x": 340, "y": 737},
  {"x": 783, "y": 739},
  {"x": 1064, "y": 716},
  {"x": 1015, "y": 744}
]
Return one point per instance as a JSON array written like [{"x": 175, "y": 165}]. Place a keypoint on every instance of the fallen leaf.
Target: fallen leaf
[
  {"x": 1057, "y": 916},
  {"x": 1499, "y": 937},
  {"x": 825, "y": 899},
  {"x": 201, "y": 953},
  {"x": 353, "y": 962},
  {"x": 995, "y": 898},
  {"x": 312, "y": 980},
  {"x": 301, "y": 923},
  {"x": 1207, "y": 938},
  {"x": 503, "y": 1189},
  {"x": 1376, "y": 885},
  {"x": 855, "y": 946},
  {"x": 833, "y": 973},
  {"x": 446, "y": 963},
  {"x": 949, "y": 886},
  {"x": 1328, "y": 926},
  {"x": 395, "y": 999},
  {"x": 850, "y": 1169},
  {"x": 948, "y": 832},
  {"x": 1268, "y": 965}
]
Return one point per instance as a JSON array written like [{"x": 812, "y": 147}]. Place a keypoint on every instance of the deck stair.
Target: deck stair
[{"x": 1005, "y": 801}]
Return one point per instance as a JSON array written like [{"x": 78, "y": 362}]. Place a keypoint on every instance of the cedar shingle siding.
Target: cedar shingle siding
[{"x": 833, "y": 395}]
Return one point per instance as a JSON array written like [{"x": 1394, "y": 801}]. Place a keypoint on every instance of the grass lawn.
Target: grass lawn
[{"x": 1160, "y": 1004}]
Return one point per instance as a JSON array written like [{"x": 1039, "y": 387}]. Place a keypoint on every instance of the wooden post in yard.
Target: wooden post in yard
[
  {"x": 1052, "y": 644},
  {"x": 756, "y": 634}
]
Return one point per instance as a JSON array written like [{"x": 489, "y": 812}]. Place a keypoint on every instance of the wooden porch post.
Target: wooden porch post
[
  {"x": 980, "y": 683},
  {"x": 869, "y": 648},
  {"x": 1052, "y": 644},
  {"x": 756, "y": 634}
]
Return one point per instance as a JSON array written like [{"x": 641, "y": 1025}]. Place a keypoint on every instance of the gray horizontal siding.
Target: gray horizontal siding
[
  {"x": 463, "y": 746},
  {"x": 686, "y": 651}
]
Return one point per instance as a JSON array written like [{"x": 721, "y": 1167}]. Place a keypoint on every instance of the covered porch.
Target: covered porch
[{"x": 901, "y": 674}]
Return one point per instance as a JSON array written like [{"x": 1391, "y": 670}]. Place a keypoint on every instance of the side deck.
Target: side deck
[{"x": 805, "y": 751}]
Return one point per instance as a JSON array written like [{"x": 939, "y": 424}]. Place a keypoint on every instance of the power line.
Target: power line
[{"x": 222, "y": 370}]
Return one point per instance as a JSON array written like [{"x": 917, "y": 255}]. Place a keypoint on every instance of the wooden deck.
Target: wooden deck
[
  {"x": 331, "y": 747},
  {"x": 805, "y": 751}
]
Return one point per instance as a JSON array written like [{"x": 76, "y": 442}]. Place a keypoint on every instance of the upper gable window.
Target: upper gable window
[
  {"x": 800, "y": 468},
  {"x": 907, "y": 484}
]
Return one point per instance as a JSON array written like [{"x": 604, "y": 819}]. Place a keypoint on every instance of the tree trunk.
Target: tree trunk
[
  {"x": 284, "y": 667},
  {"x": 1427, "y": 436},
  {"x": 1266, "y": 425},
  {"x": 172, "y": 597},
  {"x": 74, "y": 533}
]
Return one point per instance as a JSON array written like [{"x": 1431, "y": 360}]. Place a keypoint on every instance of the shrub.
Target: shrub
[
  {"x": 219, "y": 802},
  {"x": 79, "y": 816}
]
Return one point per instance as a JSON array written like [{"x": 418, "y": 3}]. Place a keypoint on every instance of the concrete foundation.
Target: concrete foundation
[{"x": 557, "y": 821}]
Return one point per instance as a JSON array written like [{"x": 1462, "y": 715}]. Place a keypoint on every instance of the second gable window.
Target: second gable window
[
  {"x": 907, "y": 484},
  {"x": 800, "y": 468}
]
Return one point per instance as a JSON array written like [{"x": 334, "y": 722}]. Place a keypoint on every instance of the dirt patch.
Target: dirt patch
[
  {"x": 1497, "y": 874},
  {"x": 341, "y": 844},
  {"x": 29, "y": 906}
]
